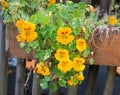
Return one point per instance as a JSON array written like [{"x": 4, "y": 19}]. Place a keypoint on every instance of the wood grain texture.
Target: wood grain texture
[{"x": 107, "y": 51}]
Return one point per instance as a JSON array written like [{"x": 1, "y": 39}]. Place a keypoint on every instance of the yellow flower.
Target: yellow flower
[
  {"x": 30, "y": 36},
  {"x": 42, "y": 69},
  {"x": 51, "y": 2},
  {"x": 64, "y": 31},
  {"x": 78, "y": 64},
  {"x": 20, "y": 38},
  {"x": 20, "y": 23},
  {"x": 65, "y": 65},
  {"x": 71, "y": 81},
  {"x": 63, "y": 35},
  {"x": 62, "y": 54},
  {"x": 28, "y": 27},
  {"x": 80, "y": 77},
  {"x": 112, "y": 20},
  {"x": 27, "y": 32},
  {"x": 4, "y": 5},
  {"x": 81, "y": 44},
  {"x": 65, "y": 39}
]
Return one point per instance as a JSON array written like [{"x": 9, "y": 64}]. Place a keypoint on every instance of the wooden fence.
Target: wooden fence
[{"x": 36, "y": 90}]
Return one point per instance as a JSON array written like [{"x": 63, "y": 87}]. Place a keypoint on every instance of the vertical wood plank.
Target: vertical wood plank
[
  {"x": 92, "y": 76},
  {"x": 53, "y": 93},
  {"x": 105, "y": 5},
  {"x": 36, "y": 89},
  {"x": 3, "y": 60},
  {"x": 20, "y": 77},
  {"x": 72, "y": 90},
  {"x": 110, "y": 78}
]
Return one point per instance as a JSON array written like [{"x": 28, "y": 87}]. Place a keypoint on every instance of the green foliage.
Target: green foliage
[
  {"x": 43, "y": 54},
  {"x": 53, "y": 87},
  {"x": 86, "y": 52},
  {"x": 91, "y": 61},
  {"x": 21, "y": 45},
  {"x": 44, "y": 83},
  {"x": 48, "y": 78},
  {"x": 62, "y": 82}
]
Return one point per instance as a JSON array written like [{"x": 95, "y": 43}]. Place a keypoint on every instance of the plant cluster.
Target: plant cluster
[{"x": 58, "y": 34}]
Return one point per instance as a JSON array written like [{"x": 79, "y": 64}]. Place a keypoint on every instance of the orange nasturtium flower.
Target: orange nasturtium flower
[
  {"x": 4, "y": 5},
  {"x": 20, "y": 23},
  {"x": 27, "y": 31},
  {"x": 79, "y": 76},
  {"x": 78, "y": 64},
  {"x": 51, "y": 2},
  {"x": 21, "y": 38},
  {"x": 63, "y": 35},
  {"x": 112, "y": 20},
  {"x": 29, "y": 26},
  {"x": 42, "y": 69},
  {"x": 81, "y": 44},
  {"x": 62, "y": 54},
  {"x": 65, "y": 65},
  {"x": 71, "y": 81}
]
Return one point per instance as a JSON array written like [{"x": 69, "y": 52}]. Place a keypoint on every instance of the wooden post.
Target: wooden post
[
  {"x": 110, "y": 78},
  {"x": 36, "y": 89},
  {"x": 72, "y": 90},
  {"x": 53, "y": 93},
  {"x": 20, "y": 77},
  {"x": 92, "y": 76},
  {"x": 3, "y": 60}
]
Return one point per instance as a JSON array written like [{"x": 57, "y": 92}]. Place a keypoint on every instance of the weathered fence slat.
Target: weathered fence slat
[
  {"x": 105, "y": 5},
  {"x": 72, "y": 90},
  {"x": 53, "y": 93},
  {"x": 110, "y": 78},
  {"x": 3, "y": 60},
  {"x": 92, "y": 76},
  {"x": 36, "y": 89},
  {"x": 20, "y": 77}
]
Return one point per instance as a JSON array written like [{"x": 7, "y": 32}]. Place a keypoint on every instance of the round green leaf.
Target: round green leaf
[
  {"x": 43, "y": 84},
  {"x": 62, "y": 82}
]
